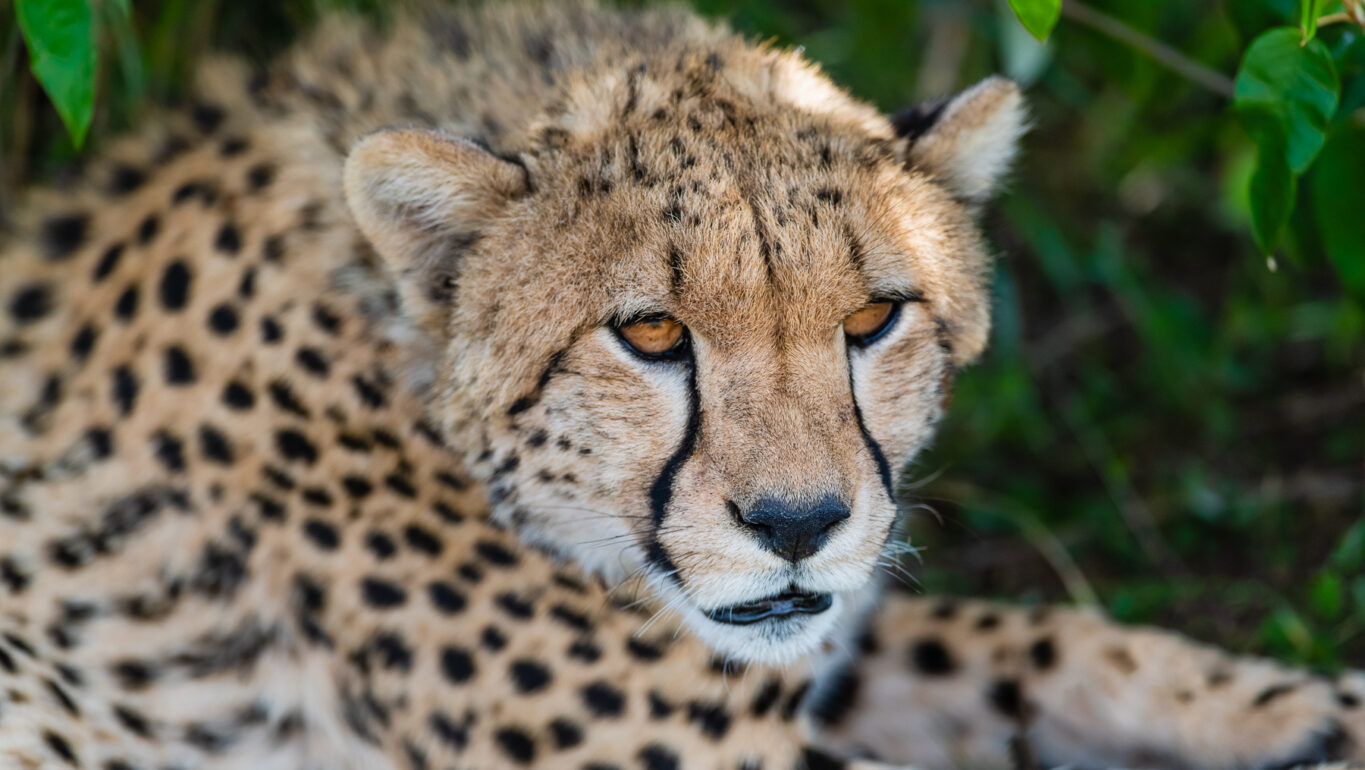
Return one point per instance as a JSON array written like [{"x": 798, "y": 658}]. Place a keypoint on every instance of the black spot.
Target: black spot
[
  {"x": 1271, "y": 693},
  {"x": 659, "y": 707},
  {"x": 124, "y": 179},
  {"x": 656, "y": 756},
  {"x": 931, "y": 658},
  {"x": 829, "y": 195},
  {"x": 470, "y": 571},
  {"x": 215, "y": 446},
  {"x": 100, "y": 441},
  {"x": 566, "y": 734},
  {"x": 422, "y": 541},
  {"x": 175, "y": 286},
  {"x": 83, "y": 342},
  {"x": 233, "y": 145},
  {"x": 60, "y": 747},
  {"x": 357, "y": 487},
  {"x": 456, "y": 665},
  {"x": 148, "y": 229},
  {"x": 283, "y": 397},
  {"x": 1043, "y": 653},
  {"x": 246, "y": 289},
  {"x": 516, "y": 744},
  {"x": 814, "y": 759},
  {"x": 294, "y": 446},
  {"x": 836, "y": 698},
  {"x": 326, "y": 320},
  {"x": 400, "y": 485},
  {"x": 133, "y": 720},
  {"x": 393, "y": 653},
  {"x": 711, "y": 718},
  {"x": 16, "y": 580},
  {"x": 169, "y": 450},
  {"x": 493, "y": 639},
  {"x": 495, "y": 554},
  {"x": 381, "y": 545},
  {"x": 604, "y": 700},
  {"x": 988, "y": 622},
  {"x": 528, "y": 676},
  {"x": 766, "y": 697},
  {"x": 1005, "y": 697},
  {"x": 223, "y": 319},
  {"x": 178, "y": 369},
  {"x": 323, "y": 534},
  {"x": 108, "y": 261},
  {"x": 133, "y": 674},
  {"x": 447, "y": 513},
  {"x": 455, "y": 736},
  {"x": 585, "y": 650},
  {"x": 515, "y": 606},
  {"x": 228, "y": 240},
  {"x": 312, "y": 360},
  {"x": 1348, "y": 701},
  {"x": 237, "y": 397},
  {"x": 370, "y": 395},
  {"x": 63, "y": 698},
  {"x": 125, "y": 307},
  {"x": 642, "y": 650},
  {"x": 125, "y": 388},
  {"x": 207, "y": 117},
  {"x": 31, "y": 303},
  {"x": 63, "y": 235},
  {"x": 944, "y": 610},
  {"x": 382, "y": 594},
  {"x": 271, "y": 331},
  {"x": 445, "y": 597},
  {"x": 259, "y": 176},
  {"x": 792, "y": 705}
]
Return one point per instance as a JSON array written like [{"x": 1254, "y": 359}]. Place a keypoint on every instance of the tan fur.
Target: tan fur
[{"x": 277, "y": 492}]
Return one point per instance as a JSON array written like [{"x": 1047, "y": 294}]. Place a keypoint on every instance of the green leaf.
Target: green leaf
[
  {"x": 1309, "y": 10},
  {"x": 1273, "y": 183},
  {"x": 1037, "y": 16},
  {"x": 1297, "y": 83},
  {"x": 1327, "y": 596},
  {"x": 60, "y": 35},
  {"x": 1338, "y": 189}
]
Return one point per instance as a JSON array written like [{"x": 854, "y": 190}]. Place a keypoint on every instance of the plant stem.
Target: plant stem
[{"x": 1163, "y": 54}]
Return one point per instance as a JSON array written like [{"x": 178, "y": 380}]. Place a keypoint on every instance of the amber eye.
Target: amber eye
[
  {"x": 655, "y": 337},
  {"x": 866, "y": 325}
]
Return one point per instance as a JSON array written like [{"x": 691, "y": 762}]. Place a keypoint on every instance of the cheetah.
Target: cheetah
[{"x": 526, "y": 385}]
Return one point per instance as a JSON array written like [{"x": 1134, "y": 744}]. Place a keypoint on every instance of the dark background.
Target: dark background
[{"x": 1164, "y": 424}]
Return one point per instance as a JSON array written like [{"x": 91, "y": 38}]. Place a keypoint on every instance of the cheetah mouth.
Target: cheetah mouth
[{"x": 789, "y": 602}]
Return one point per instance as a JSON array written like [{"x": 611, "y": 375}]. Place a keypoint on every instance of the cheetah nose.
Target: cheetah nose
[{"x": 793, "y": 531}]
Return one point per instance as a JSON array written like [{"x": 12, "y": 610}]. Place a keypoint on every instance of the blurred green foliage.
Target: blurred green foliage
[{"x": 1168, "y": 422}]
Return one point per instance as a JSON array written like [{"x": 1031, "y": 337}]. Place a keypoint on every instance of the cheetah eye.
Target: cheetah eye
[
  {"x": 867, "y": 325},
  {"x": 657, "y": 338}
]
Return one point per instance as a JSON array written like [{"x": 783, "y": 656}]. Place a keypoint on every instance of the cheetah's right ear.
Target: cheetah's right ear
[
  {"x": 965, "y": 142},
  {"x": 420, "y": 197}
]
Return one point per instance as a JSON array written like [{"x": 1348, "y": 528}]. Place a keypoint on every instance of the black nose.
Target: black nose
[{"x": 793, "y": 531}]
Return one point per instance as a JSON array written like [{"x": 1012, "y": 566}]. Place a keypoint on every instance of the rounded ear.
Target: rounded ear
[
  {"x": 421, "y": 198},
  {"x": 968, "y": 141}
]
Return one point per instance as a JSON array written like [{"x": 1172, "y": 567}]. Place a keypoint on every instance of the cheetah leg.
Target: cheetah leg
[{"x": 944, "y": 684}]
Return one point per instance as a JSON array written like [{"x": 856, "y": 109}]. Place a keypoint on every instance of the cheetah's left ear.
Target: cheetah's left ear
[
  {"x": 421, "y": 197},
  {"x": 967, "y": 141}
]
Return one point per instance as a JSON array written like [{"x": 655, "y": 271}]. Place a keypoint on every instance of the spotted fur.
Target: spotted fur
[{"x": 317, "y": 450}]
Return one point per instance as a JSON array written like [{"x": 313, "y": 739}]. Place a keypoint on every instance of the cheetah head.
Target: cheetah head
[{"x": 692, "y": 320}]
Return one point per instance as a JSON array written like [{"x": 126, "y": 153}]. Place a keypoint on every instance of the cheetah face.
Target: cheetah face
[{"x": 695, "y": 339}]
